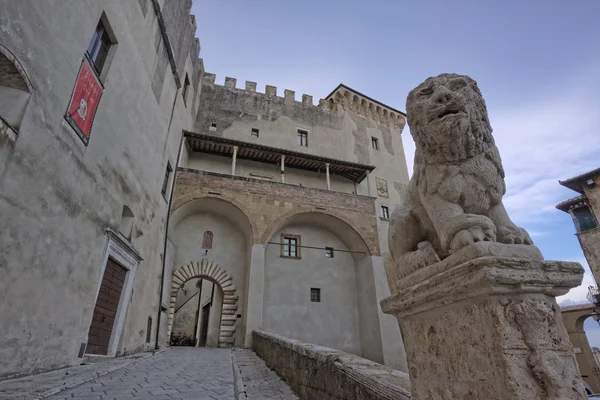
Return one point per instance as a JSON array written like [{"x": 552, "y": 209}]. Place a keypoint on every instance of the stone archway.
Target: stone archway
[{"x": 209, "y": 270}]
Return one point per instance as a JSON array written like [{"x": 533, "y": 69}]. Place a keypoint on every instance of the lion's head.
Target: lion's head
[{"x": 448, "y": 119}]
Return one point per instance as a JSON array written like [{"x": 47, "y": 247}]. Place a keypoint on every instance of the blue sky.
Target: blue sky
[{"x": 537, "y": 63}]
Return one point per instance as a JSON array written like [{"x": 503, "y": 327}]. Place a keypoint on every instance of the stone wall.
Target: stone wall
[
  {"x": 268, "y": 204},
  {"x": 321, "y": 373},
  {"x": 58, "y": 196}
]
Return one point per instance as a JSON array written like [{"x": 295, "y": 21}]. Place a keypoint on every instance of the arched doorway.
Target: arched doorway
[{"x": 211, "y": 271}]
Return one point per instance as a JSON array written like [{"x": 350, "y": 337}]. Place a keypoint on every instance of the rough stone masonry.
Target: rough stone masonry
[{"x": 475, "y": 299}]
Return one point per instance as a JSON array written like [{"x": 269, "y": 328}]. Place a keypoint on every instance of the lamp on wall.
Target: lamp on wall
[{"x": 590, "y": 183}]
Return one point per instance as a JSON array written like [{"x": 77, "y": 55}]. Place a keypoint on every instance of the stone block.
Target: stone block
[
  {"x": 250, "y": 86},
  {"x": 487, "y": 326},
  {"x": 230, "y": 82}
]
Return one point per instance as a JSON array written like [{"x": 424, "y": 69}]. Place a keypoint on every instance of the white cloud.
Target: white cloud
[{"x": 541, "y": 142}]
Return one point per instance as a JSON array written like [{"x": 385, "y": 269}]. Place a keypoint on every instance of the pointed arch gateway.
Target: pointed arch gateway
[{"x": 212, "y": 271}]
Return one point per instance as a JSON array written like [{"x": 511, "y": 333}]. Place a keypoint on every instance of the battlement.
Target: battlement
[
  {"x": 289, "y": 96},
  {"x": 341, "y": 99}
]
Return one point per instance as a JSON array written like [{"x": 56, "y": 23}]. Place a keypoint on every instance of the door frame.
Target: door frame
[{"x": 121, "y": 251}]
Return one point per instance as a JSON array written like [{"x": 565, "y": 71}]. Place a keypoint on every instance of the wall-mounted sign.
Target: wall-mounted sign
[
  {"x": 207, "y": 240},
  {"x": 84, "y": 102},
  {"x": 382, "y": 188}
]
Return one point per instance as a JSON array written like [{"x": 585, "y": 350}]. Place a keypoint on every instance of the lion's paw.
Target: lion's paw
[
  {"x": 472, "y": 234},
  {"x": 513, "y": 235}
]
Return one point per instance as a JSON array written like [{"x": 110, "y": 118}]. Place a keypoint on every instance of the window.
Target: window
[
  {"x": 375, "y": 143},
  {"x": 584, "y": 219},
  {"x": 329, "y": 252},
  {"x": 213, "y": 126},
  {"x": 290, "y": 246},
  {"x": 126, "y": 224},
  {"x": 315, "y": 295},
  {"x": 166, "y": 181},
  {"x": 254, "y": 132},
  {"x": 385, "y": 212},
  {"x": 149, "y": 330},
  {"x": 186, "y": 86},
  {"x": 97, "y": 50},
  {"x": 302, "y": 138}
]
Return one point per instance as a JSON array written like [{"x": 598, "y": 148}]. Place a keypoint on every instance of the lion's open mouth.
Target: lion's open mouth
[{"x": 447, "y": 112}]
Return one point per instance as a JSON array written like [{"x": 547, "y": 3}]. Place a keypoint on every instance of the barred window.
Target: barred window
[{"x": 315, "y": 295}]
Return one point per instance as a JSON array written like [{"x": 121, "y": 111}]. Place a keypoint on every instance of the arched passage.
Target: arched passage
[
  {"x": 229, "y": 247},
  {"x": 209, "y": 270},
  {"x": 574, "y": 318},
  {"x": 324, "y": 291}
]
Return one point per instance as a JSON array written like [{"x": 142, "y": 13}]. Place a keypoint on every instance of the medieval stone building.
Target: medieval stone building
[
  {"x": 584, "y": 209},
  {"x": 139, "y": 198}
]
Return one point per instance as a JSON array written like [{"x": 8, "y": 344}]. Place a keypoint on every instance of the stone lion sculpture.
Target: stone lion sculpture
[{"x": 454, "y": 197}]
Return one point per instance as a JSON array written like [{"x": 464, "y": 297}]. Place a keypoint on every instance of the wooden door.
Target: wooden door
[
  {"x": 204, "y": 327},
  {"x": 105, "y": 311}
]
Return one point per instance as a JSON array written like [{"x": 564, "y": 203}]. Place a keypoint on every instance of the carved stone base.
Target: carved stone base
[{"x": 488, "y": 328}]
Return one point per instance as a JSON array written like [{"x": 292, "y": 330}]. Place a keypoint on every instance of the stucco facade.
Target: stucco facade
[
  {"x": 247, "y": 176},
  {"x": 62, "y": 202},
  {"x": 584, "y": 211},
  {"x": 181, "y": 179}
]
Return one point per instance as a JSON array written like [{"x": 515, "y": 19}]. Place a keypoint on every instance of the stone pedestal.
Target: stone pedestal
[{"x": 484, "y": 324}]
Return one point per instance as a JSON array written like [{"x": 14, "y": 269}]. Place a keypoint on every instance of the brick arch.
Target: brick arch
[
  {"x": 11, "y": 66},
  {"x": 212, "y": 271},
  {"x": 371, "y": 245},
  {"x": 181, "y": 201}
]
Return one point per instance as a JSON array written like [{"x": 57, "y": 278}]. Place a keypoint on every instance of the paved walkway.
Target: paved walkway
[
  {"x": 259, "y": 382},
  {"x": 178, "y": 373}
]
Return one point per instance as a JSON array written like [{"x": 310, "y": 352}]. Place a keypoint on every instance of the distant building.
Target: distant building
[{"x": 585, "y": 209}]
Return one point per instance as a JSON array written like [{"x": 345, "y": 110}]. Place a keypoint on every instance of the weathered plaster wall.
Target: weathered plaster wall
[
  {"x": 590, "y": 240},
  {"x": 288, "y": 310},
  {"x": 58, "y": 196}
]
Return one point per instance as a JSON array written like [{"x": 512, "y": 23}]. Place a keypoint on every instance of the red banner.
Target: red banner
[{"x": 84, "y": 102}]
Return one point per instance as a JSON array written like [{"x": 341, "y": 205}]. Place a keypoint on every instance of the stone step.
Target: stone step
[
  {"x": 227, "y": 329},
  {"x": 229, "y": 339},
  {"x": 229, "y": 306}
]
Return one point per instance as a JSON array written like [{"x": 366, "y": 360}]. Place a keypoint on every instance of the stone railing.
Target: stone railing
[{"x": 319, "y": 373}]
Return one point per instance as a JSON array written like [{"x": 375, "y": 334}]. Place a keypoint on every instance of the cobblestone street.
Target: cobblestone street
[
  {"x": 179, "y": 373},
  {"x": 176, "y": 374}
]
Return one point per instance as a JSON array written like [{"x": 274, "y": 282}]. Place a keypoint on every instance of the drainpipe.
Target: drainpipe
[{"x": 164, "y": 258}]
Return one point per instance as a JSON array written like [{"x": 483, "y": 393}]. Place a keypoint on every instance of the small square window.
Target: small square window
[
  {"x": 302, "y": 138},
  {"x": 315, "y": 295},
  {"x": 254, "y": 132},
  {"x": 385, "y": 212},
  {"x": 329, "y": 252},
  {"x": 166, "y": 179},
  {"x": 290, "y": 246},
  {"x": 375, "y": 143},
  {"x": 213, "y": 126}
]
